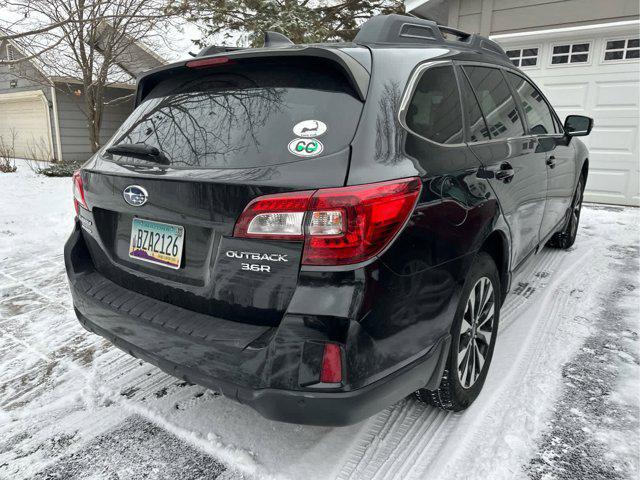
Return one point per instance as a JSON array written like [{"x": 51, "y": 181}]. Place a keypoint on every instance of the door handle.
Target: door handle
[
  {"x": 551, "y": 161},
  {"x": 505, "y": 173}
]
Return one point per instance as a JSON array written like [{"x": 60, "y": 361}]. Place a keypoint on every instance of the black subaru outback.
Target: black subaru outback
[{"x": 318, "y": 231}]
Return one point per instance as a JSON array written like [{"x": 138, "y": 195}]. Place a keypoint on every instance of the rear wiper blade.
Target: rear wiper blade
[{"x": 139, "y": 150}]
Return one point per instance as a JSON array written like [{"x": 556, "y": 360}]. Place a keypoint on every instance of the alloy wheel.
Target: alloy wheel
[{"x": 476, "y": 331}]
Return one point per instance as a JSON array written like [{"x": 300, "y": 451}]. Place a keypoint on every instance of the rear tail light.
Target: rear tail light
[
  {"x": 371, "y": 217},
  {"x": 331, "y": 370},
  {"x": 78, "y": 192},
  {"x": 339, "y": 226}
]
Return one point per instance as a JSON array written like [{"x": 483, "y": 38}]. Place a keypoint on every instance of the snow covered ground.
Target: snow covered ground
[{"x": 561, "y": 399}]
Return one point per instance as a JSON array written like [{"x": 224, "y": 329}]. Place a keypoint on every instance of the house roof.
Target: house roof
[{"x": 136, "y": 56}]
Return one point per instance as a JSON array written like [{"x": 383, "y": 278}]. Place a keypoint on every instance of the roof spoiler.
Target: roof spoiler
[
  {"x": 356, "y": 74},
  {"x": 403, "y": 29}
]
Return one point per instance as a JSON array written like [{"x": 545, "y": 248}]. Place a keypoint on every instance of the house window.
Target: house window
[
  {"x": 524, "y": 57},
  {"x": 11, "y": 56},
  {"x": 571, "y": 53},
  {"x": 625, "y": 49}
]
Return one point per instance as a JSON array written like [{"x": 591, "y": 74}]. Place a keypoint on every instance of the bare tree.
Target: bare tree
[{"x": 86, "y": 40}]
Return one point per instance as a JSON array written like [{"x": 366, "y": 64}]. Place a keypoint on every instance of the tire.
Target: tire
[
  {"x": 565, "y": 238},
  {"x": 473, "y": 334}
]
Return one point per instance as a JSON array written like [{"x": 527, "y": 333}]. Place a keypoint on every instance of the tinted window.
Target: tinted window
[
  {"x": 496, "y": 102},
  {"x": 434, "y": 110},
  {"x": 242, "y": 115},
  {"x": 536, "y": 109},
  {"x": 478, "y": 130}
]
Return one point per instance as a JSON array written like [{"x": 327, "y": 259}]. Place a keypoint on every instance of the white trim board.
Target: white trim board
[{"x": 613, "y": 26}]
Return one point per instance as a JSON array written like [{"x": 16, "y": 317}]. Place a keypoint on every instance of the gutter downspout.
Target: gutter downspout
[{"x": 56, "y": 122}]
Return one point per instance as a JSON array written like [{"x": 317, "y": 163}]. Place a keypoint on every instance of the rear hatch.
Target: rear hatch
[{"x": 225, "y": 133}]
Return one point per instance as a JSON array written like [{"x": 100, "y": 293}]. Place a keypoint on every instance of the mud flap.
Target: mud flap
[{"x": 436, "y": 376}]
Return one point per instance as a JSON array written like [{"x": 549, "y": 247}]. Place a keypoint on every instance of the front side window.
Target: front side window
[
  {"x": 570, "y": 53},
  {"x": 434, "y": 111},
  {"x": 524, "y": 57},
  {"x": 496, "y": 102},
  {"x": 536, "y": 109},
  {"x": 625, "y": 49}
]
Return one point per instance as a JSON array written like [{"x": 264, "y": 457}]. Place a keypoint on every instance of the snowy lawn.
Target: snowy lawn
[{"x": 561, "y": 399}]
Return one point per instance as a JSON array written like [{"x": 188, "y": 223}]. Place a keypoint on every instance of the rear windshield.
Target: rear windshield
[{"x": 245, "y": 115}]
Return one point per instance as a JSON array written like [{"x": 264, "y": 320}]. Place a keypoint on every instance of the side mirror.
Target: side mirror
[{"x": 578, "y": 126}]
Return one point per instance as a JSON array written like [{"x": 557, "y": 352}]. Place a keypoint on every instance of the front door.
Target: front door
[{"x": 554, "y": 150}]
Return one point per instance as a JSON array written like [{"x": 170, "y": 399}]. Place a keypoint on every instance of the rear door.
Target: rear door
[
  {"x": 229, "y": 134},
  {"x": 512, "y": 163},
  {"x": 558, "y": 154}
]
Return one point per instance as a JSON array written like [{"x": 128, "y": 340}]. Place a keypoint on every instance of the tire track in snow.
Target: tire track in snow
[
  {"x": 210, "y": 444},
  {"x": 510, "y": 383},
  {"x": 375, "y": 454}
]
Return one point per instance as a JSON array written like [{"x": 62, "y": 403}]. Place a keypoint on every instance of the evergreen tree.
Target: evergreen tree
[{"x": 306, "y": 21}]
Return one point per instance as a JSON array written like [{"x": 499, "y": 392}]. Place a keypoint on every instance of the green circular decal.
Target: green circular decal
[{"x": 305, "y": 147}]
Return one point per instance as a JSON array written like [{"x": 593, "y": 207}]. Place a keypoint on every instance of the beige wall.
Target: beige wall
[{"x": 490, "y": 17}]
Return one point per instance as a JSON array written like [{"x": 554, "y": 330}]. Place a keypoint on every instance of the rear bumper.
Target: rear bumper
[{"x": 236, "y": 359}]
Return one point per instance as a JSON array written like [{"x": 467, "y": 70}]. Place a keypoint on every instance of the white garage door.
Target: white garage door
[
  {"x": 24, "y": 120},
  {"x": 594, "y": 72}
]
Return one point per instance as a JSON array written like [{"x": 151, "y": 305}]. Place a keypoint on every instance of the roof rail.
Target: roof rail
[{"x": 403, "y": 29}]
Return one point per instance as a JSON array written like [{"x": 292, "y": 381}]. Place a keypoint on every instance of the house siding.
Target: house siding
[
  {"x": 528, "y": 15},
  {"x": 28, "y": 78},
  {"x": 74, "y": 133}
]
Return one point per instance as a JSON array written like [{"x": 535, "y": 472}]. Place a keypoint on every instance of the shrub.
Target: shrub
[
  {"x": 7, "y": 154},
  {"x": 63, "y": 169}
]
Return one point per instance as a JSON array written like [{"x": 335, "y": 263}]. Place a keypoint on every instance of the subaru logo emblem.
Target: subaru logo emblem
[{"x": 135, "y": 195}]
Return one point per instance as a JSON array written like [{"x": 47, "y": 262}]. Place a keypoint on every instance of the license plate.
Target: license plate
[{"x": 156, "y": 242}]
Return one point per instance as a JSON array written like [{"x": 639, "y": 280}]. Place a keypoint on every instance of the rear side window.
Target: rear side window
[
  {"x": 434, "y": 111},
  {"x": 496, "y": 102},
  {"x": 244, "y": 115},
  {"x": 535, "y": 108}
]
